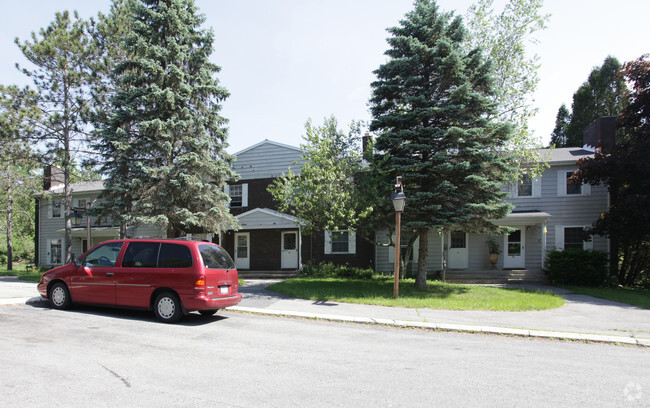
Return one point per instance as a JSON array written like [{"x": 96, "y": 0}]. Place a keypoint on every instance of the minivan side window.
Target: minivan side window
[
  {"x": 175, "y": 256},
  {"x": 104, "y": 255},
  {"x": 141, "y": 255},
  {"x": 215, "y": 257}
]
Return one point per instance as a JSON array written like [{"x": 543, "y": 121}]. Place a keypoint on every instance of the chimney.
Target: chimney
[
  {"x": 52, "y": 177},
  {"x": 600, "y": 134},
  {"x": 366, "y": 146}
]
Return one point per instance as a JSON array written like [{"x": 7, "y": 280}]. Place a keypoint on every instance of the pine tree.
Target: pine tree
[
  {"x": 430, "y": 104},
  {"x": 562, "y": 120},
  {"x": 60, "y": 54},
  {"x": 164, "y": 141}
]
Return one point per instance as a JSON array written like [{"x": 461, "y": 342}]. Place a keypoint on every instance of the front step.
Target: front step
[{"x": 267, "y": 274}]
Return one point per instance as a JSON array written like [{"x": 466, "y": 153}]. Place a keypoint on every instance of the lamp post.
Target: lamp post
[{"x": 399, "y": 200}]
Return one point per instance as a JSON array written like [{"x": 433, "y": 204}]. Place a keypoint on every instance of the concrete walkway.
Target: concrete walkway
[{"x": 582, "y": 317}]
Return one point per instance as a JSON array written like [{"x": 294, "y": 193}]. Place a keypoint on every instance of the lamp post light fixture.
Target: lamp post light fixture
[{"x": 399, "y": 201}]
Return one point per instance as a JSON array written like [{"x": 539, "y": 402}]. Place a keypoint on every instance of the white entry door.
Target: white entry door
[
  {"x": 289, "y": 257},
  {"x": 242, "y": 250},
  {"x": 458, "y": 250},
  {"x": 515, "y": 250}
]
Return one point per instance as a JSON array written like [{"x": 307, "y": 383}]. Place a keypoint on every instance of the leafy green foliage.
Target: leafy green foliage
[
  {"x": 329, "y": 270},
  {"x": 603, "y": 94},
  {"x": 432, "y": 103},
  {"x": 163, "y": 141},
  {"x": 626, "y": 172},
  {"x": 504, "y": 37},
  {"x": 577, "y": 267},
  {"x": 325, "y": 195}
]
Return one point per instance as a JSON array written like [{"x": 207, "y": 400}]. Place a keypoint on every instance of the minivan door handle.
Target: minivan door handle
[{"x": 109, "y": 274}]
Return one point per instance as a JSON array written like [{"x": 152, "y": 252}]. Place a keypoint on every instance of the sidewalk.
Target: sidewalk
[{"x": 582, "y": 318}]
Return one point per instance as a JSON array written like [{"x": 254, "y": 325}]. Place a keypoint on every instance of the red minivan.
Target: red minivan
[{"x": 171, "y": 276}]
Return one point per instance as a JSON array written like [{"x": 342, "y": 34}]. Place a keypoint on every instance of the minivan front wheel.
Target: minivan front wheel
[
  {"x": 60, "y": 296},
  {"x": 167, "y": 308}
]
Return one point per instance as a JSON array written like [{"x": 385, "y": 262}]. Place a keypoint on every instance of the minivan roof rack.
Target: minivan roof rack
[{"x": 191, "y": 239}]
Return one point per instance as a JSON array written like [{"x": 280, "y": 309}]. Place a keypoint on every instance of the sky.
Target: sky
[{"x": 287, "y": 61}]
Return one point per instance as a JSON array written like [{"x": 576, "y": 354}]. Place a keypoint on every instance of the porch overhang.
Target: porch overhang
[
  {"x": 533, "y": 217},
  {"x": 96, "y": 232},
  {"x": 264, "y": 218}
]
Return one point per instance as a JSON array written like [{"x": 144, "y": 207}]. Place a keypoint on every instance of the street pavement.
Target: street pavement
[{"x": 582, "y": 318}]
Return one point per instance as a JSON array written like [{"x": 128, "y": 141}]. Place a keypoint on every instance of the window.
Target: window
[
  {"x": 56, "y": 208},
  {"x": 141, "y": 255},
  {"x": 289, "y": 241},
  {"x": 215, "y": 257},
  {"x": 572, "y": 188},
  {"x": 340, "y": 242},
  {"x": 175, "y": 256},
  {"x": 525, "y": 187},
  {"x": 573, "y": 238},
  {"x": 55, "y": 251},
  {"x": 81, "y": 203},
  {"x": 458, "y": 240},
  {"x": 104, "y": 255},
  {"x": 236, "y": 196}
]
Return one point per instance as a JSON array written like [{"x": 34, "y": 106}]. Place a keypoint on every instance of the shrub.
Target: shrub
[
  {"x": 577, "y": 267},
  {"x": 330, "y": 270}
]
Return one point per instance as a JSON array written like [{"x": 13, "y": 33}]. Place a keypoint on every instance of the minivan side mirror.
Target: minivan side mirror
[{"x": 78, "y": 262}]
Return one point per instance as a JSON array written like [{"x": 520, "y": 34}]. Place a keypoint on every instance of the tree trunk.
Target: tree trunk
[
  {"x": 423, "y": 257},
  {"x": 10, "y": 252}
]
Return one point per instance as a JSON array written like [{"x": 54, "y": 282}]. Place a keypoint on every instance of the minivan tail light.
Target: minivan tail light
[{"x": 200, "y": 283}]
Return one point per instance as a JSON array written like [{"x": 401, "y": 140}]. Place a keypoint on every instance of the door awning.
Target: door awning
[{"x": 533, "y": 217}]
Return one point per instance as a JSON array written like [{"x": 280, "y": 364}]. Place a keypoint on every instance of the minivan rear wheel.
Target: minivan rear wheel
[{"x": 167, "y": 308}]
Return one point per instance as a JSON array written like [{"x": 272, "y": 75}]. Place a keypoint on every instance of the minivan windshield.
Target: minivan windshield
[{"x": 215, "y": 257}]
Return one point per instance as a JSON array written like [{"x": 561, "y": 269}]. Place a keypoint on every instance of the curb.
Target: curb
[{"x": 554, "y": 335}]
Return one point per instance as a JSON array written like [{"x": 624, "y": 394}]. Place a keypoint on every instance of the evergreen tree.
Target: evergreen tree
[
  {"x": 431, "y": 102},
  {"x": 60, "y": 75},
  {"x": 602, "y": 95},
  {"x": 562, "y": 119},
  {"x": 163, "y": 143}
]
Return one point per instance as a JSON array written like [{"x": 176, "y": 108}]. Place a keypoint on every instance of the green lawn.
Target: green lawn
[
  {"x": 632, "y": 296},
  {"x": 22, "y": 273},
  {"x": 379, "y": 291}
]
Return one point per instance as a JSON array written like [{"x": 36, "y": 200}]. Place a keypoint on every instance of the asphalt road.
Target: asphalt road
[{"x": 116, "y": 358}]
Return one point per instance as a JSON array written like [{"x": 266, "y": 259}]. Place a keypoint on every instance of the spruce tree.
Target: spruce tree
[
  {"x": 164, "y": 141},
  {"x": 430, "y": 104},
  {"x": 562, "y": 120}
]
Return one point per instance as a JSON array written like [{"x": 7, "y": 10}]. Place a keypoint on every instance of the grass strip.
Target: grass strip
[{"x": 438, "y": 295}]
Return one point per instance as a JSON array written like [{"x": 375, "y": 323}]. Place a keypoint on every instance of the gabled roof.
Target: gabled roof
[
  {"x": 564, "y": 155},
  {"x": 83, "y": 187},
  {"x": 265, "y": 218},
  {"x": 267, "y": 141}
]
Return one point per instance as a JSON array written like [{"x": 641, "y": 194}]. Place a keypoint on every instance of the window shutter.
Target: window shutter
[
  {"x": 328, "y": 243},
  {"x": 391, "y": 251},
  {"x": 559, "y": 237},
  {"x": 352, "y": 242},
  {"x": 588, "y": 244},
  {"x": 244, "y": 195},
  {"x": 513, "y": 187},
  {"x": 416, "y": 249},
  {"x": 537, "y": 187},
  {"x": 586, "y": 189},
  {"x": 561, "y": 183},
  {"x": 226, "y": 190}
]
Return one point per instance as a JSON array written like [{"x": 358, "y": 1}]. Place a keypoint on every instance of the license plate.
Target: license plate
[{"x": 223, "y": 290}]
